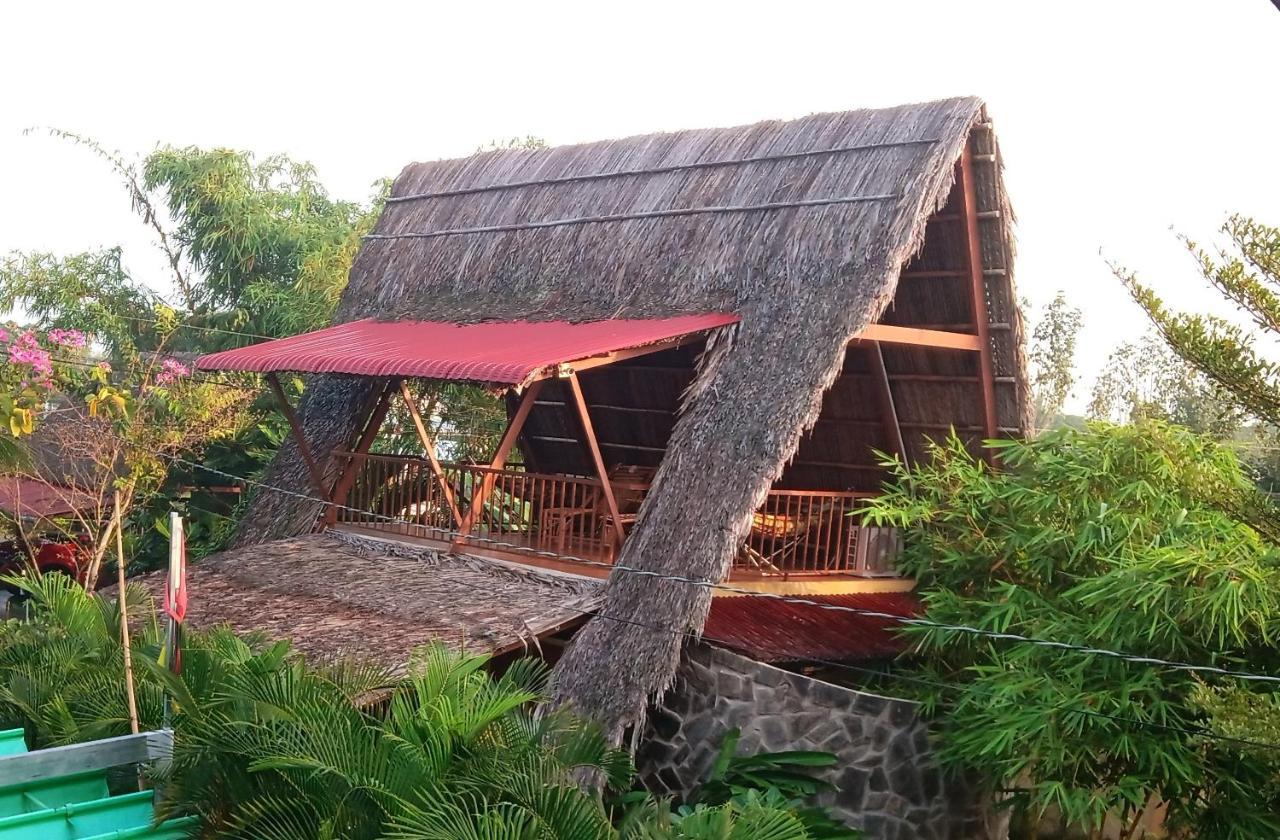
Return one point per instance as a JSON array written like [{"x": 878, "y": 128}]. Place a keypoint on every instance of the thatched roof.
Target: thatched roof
[
  {"x": 802, "y": 228},
  {"x": 69, "y": 463},
  {"x": 336, "y": 595}
]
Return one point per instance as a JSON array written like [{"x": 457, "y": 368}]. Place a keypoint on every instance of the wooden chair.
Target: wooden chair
[{"x": 558, "y": 522}]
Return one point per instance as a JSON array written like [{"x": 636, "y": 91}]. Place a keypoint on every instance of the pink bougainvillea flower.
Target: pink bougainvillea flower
[
  {"x": 170, "y": 371},
  {"x": 26, "y": 350},
  {"x": 68, "y": 338},
  {"x": 105, "y": 367}
]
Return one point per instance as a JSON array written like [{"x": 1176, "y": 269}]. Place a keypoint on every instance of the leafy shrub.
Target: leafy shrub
[
  {"x": 272, "y": 747},
  {"x": 1146, "y": 539}
]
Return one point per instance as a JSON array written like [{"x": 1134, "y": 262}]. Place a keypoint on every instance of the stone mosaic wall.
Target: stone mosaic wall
[{"x": 887, "y": 780}]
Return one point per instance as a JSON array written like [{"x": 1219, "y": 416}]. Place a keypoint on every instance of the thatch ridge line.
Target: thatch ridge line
[
  {"x": 648, "y": 214},
  {"x": 660, "y": 170}
]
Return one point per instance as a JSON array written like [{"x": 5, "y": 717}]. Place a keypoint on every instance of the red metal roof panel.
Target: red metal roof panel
[
  {"x": 29, "y": 497},
  {"x": 505, "y": 352},
  {"x": 772, "y": 630}
]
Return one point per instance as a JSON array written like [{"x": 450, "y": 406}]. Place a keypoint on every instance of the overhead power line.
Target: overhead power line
[{"x": 955, "y": 686}]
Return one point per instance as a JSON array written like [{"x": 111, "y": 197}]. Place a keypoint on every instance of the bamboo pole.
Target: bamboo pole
[{"x": 124, "y": 622}]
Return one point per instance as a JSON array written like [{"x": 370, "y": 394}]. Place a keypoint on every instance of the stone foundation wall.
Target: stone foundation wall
[{"x": 888, "y": 782}]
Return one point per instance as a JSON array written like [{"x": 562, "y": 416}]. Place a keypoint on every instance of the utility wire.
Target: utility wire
[
  {"x": 709, "y": 584},
  {"x": 1158, "y": 662},
  {"x": 845, "y": 666}
]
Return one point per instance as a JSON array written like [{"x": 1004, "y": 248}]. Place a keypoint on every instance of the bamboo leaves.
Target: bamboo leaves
[{"x": 1145, "y": 538}]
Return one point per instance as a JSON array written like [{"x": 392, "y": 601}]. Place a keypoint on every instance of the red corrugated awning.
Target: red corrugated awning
[
  {"x": 505, "y": 352},
  {"x": 771, "y": 630},
  {"x": 27, "y": 497}
]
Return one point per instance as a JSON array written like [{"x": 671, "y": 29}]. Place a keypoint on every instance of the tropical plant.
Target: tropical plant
[
  {"x": 1146, "y": 539},
  {"x": 61, "y": 672},
  {"x": 751, "y": 816},
  {"x": 297, "y": 756},
  {"x": 785, "y": 779},
  {"x": 270, "y": 746},
  {"x": 102, "y": 429}
]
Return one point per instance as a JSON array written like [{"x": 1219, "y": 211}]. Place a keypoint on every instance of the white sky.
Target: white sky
[{"x": 1117, "y": 119}]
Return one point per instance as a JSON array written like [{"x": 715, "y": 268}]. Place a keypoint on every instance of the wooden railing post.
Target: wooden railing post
[
  {"x": 508, "y": 442},
  {"x": 597, "y": 460},
  {"x": 430, "y": 447},
  {"x": 377, "y": 413}
]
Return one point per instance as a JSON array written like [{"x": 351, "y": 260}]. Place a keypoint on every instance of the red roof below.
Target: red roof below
[
  {"x": 28, "y": 497},
  {"x": 507, "y": 352},
  {"x": 771, "y": 630}
]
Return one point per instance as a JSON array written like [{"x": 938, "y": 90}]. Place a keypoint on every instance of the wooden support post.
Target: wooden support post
[
  {"x": 377, "y": 413},
  {"x": 122, "y": 597},
  {"x": 593, "y": 449},
  {"x": 973, "y": 253},
  {"x": 430, "y": 447},
  {"x": 508, "y": 442},
  {"x": 884, "y": 396},
  {"x": 313, "y": 468}
]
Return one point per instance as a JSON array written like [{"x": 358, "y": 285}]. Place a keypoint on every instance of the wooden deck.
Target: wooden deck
[
  {"x": 794, "y": 536},
  {"x": 525, "y": 552}
]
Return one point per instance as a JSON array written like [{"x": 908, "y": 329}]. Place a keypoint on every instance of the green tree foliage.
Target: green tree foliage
[
  {"x": 1247, "y": 275},
  {"x": 270, "y": 250},
  {"x": 99, "y": 430},
  {"x": 1052, "y": 355},
  {"x": 253, "y": 248},
  {"x": 268, "y": 746},
  {"x": 89, "y": 292},
  {"x": 1146, "y": 380},
  {"x": 1144, "y": 538}
]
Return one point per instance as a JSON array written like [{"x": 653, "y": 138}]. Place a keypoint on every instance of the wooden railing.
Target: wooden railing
[
  {"x": 795, "y": 532},
  {"x": 816, "y": 532}
]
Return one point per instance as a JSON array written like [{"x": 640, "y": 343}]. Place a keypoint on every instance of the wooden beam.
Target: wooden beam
[
  {"x": 427, "y": 444},
  {"x": 604, "y": 444},
  {"x": 627, "y": 409},
  {"x": 884, "y": 396},
  {"x": 313, "y": 468},
  {"x": 840, "y": 465},
  {"x": 508, "y": 442},
  {"x": 631, "y": 353},
  {"x": 954, "y": 273},
  {"x": 890, "y": 334},
  {"x": 593, "y": 448},
  {"x": 373, "y": 422},
  {"x": 978, "y": 287},
  {"x": 933, "y": 275},
  {"x": 956, "y": 217},
  {"x": 90, "y": 756}
]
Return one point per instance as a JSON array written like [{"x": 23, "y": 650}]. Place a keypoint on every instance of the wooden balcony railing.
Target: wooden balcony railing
[
  {"x": 795, "y": 532},
  {"x": 816, "y": 532}
]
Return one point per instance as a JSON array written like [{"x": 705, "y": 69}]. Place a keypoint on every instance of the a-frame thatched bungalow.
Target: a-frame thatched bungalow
[{"x": 703, "y": 336}]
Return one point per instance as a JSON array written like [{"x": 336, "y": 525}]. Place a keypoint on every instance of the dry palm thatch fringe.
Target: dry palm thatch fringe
[{"x": 804, "y": 279}]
